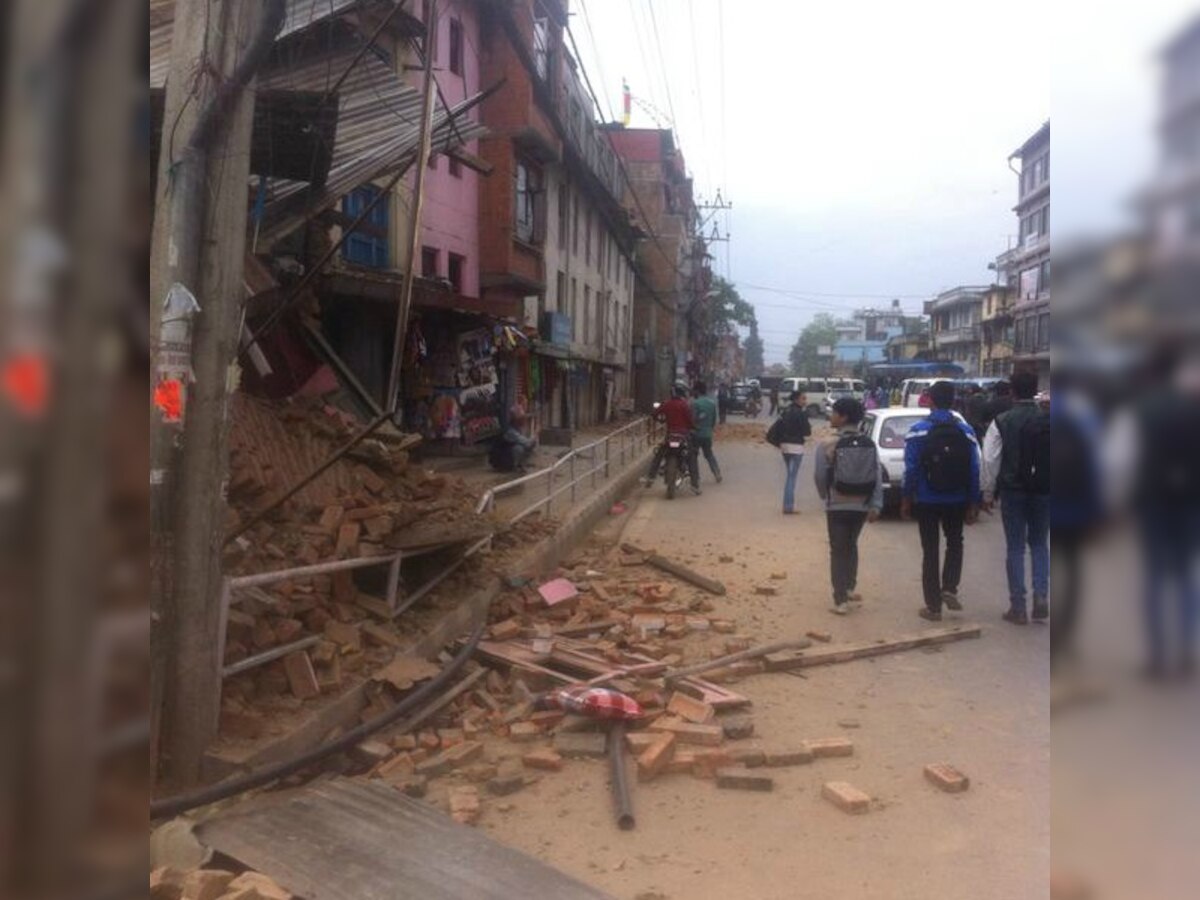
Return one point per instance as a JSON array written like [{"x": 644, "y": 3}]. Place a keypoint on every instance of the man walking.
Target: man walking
[
  {"x": 723, "y": 401},
  {"x": 788, "y": 433},
  {"x": 1016, "y": 467},
  {"x": 846, "y": 472},
  {"x": 774, "y": 399},
  {"x": 704, "y": 415},
  {"x": 941, "y": 483}
]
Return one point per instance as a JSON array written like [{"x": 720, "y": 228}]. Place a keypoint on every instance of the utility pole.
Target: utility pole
[{"x": 197, "y": 249}]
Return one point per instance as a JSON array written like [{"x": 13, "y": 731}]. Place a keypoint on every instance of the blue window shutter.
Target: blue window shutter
[{"x": 361, "y": 248}]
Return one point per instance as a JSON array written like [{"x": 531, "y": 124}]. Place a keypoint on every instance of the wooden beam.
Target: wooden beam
[
  {"x": 470, "y": 160},
  {"x": 801, "y": 659},
  {"x": 685, "y": 574}
]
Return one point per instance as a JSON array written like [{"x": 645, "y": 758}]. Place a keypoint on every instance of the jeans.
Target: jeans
[
  {"x": 1066, "y": 547},
  {"x": 1170, "y": 539},
  {"x": 1026, "y": 520},
  {"x": 705, "y": 445},
  {"x": 791, "y": 462},
  {"x": 934, "y": 519},
  {"x": 844, "y": 528}
]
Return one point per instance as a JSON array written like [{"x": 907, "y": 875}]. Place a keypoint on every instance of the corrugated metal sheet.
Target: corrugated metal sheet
[
  {"x": 300, "y": 15},
  {"x": 350, "y": 840}
]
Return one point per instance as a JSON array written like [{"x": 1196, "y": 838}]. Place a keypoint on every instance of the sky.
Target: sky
[{"x": 864, "y": 145}]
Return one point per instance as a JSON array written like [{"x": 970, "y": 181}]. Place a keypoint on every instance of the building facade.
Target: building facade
[
  {"x": 1026, "y": 267},
  {"x": 954, "y": 326},
  {"x": 996, "y": 332}
]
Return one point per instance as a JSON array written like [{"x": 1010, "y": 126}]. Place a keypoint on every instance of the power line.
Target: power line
[
  {"x": 587, "y": 21},
  {"x": 800, "y": 292},
  {"x": 662, "y": 65},
  {"x": 696, "y": 85}
]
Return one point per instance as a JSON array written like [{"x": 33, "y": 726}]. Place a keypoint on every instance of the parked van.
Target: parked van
[
  {"x": 817, "y": 390},
  {"x": 915, "y": 391}
]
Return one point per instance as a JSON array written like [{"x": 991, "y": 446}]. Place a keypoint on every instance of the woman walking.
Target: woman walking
[{"x": 788, "y": 433}]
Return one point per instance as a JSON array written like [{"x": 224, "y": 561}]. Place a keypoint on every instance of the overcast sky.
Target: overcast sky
[{"x": 864, "y": 145}]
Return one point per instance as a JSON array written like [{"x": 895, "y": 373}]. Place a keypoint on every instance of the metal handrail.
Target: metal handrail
[{"x": 587, "y": 453}]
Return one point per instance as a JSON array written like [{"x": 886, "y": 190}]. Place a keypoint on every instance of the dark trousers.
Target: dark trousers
[
  {"x": 702, "y": 445},
  {"x": 934, "y": 520},
  {"x": 844, "y": 528},
  {"x": 689, "y": 460},
  {"x": 1066, "y": 551}
]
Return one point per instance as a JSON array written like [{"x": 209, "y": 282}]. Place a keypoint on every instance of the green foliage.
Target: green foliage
[
  {"x": 819, "y": 332},
  {"x": 753, "y": 348}
]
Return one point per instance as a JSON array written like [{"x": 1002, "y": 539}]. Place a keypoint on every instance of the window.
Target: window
[
  {"x": 454, "y": 271},
  {"x": 429, "y": 262},
  {"x": 456, "y": 47},
  {"x": 455, "y": 167},
  {"x": 527, "y": 203},
  {"x": 541, "y": 47},
  {"x": 367, "y": 245},
  {"x": 1044, "y": 277},
  {"x": 1043, "y": 326},
  {"x": 564, "y": 215},
  {"x": 560, "y": 292},
  {"x": 574, "y": 308},
  {"x": 587, "y": 314}
]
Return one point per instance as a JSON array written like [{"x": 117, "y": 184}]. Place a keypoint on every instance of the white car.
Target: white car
[
  {"x": 888, "y": 428},
  {"x": 913, "y": 391}
]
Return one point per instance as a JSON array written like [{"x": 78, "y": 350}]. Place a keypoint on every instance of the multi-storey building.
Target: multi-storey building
[
  {"x": 996, "y": 332},
  {"x": 671, "y": 259},
  {"x": 954, "y": 326},
  {"x": 1026, "y": 267},
  {"x": 557, "y": 246}
]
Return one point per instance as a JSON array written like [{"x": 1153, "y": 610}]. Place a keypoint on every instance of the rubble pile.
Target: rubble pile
[{"x": 168, "y": 883}]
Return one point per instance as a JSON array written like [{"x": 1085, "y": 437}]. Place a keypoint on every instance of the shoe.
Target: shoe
[
  {"x": 718, "y": 477},
  {"x": 855, "y": 598},
  {"x": 1016, "y": 617},
  {"x": 929, "y": 615},
  {"x": 840, "y": 609},
  {"x": 950, "y": 601},
  {"x": 1041, "y": 609},
  {"x": 697, "y": 491}
]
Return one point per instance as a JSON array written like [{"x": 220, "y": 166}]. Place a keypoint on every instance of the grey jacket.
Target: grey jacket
[{"x": 835, "y": 502}]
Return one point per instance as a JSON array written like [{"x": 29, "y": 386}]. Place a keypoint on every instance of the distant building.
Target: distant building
[
  {"x": 910, "y": 343},
  {"x": 954, "y": 326},
  {"x": 862, "y": 340},
  {"x": 996, "y": 332},
  {"x": 1026, "y": 267}
]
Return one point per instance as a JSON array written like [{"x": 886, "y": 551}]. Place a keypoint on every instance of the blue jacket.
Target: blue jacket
[{"x": 915, "y": 485}]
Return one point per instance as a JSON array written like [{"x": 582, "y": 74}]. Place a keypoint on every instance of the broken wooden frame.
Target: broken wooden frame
[{"x": 613, "y": 452}]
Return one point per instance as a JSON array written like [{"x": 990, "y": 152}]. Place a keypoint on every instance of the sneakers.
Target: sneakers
[
  {"x": 840, "y": 609},
  {"x": 855, "y": 598},
  {"x": 950, "y": 601},
  {"x": 929, "y": 615},
  {"x": 696, "y": 491},
  {"x": 717, "y": 476},
  {"x": 1041, "y": 609},
  {"x": 1016, "y": 617}
]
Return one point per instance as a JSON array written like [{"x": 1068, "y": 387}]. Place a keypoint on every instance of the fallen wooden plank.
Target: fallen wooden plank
[
  {"x": 722, "y": 661},
  {"x": 803, "y": 659},
  {"x": 685, "y": 574}
]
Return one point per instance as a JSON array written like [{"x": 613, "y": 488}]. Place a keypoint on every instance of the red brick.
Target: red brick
[
  {"x": 523, "y": 732},
  {"x": 823, "y": 636},
  {"x": 347, "y": 539},
  {"x": 947, "y": 778},
  {"x": 827, "y": 747},
  {"x": 344, "y": 588},
  {"x": 346, "y": 635},
  {"x": 691, "y": 733},
  {"x": 654, "y": 759},
  {"x": 448, "y": 760},
  {"x": 691, "y": 709},
  {"x": 637, "y": 741},
  {"x": 846, "y": 797},
  {"x": 206, "y": 884},
  {"x": 681, "y": 763},
  {"x": 543, "y": 758},
  {"x": 506, "y": 630},
  {"x": 301, "y": 677},
  {"x": 744, "y": 780},
  {"x": 706, "y": 763},
  {"x": 331, "y": 519},
  {"x": 464, "y": 805},
  {"x": 796, "y": 757}
]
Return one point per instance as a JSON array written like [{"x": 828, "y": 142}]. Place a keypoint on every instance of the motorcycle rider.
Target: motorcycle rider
[{"x": 677, "y": 413}]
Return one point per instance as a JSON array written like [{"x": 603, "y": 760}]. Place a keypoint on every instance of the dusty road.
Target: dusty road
[{"x": 980, "y": 705}]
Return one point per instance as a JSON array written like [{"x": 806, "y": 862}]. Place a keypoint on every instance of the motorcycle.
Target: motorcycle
[{"x": 675, "y": 463}]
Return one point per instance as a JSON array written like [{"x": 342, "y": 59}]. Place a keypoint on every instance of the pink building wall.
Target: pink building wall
[{"x": 450, "y": 212}]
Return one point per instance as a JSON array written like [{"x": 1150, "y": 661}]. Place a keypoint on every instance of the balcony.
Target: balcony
[{"x": 963, "y": 334}]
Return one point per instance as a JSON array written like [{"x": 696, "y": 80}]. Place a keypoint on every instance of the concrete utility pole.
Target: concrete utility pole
[{"x": 199, "y": 240}]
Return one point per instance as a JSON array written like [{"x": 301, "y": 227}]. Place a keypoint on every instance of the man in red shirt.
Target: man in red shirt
[{"x": 677, "y": 413}]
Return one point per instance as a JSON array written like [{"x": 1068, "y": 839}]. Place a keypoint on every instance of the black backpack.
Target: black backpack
[
  {"x": 1170, "y": 469},
  {"x": 946, "y": 459},
  {"x": 1074, "y": 475},
  {"x": 855, "y": 468},
  {"x": 1035, "y": 454}
]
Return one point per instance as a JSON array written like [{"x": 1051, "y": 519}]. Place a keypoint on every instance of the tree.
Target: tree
[
  {"x": 820, "y": 332},
  {"x": 754, "y": 351},
  {"x": 776, "y": 370}
]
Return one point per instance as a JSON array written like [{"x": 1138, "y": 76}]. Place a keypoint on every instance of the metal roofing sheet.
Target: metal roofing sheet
[{"x": 351, "y": 840}]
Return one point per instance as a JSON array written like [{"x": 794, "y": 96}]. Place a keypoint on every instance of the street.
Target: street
[{"x": 978, "y": 705}]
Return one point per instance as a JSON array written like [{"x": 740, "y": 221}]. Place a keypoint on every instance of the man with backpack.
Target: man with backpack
[
  {"x": 788, "y": 433},
  {"x": 1017, "y": 468},
  {"x": 846, "y": 472},
  {"x": 941, "y": 488}
]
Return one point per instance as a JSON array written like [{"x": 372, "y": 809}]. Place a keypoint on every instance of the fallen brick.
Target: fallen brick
[
  {"x": 723, "y": 626},
  {"x": 384, "y": 637},
  {"x": 448, "y": 760},
  {"x": 400, "y": 766},
  {"x": 738, "y": 779},
  {"x": 371, "y": 752},
  {"x": 795, "y": 757},
  {"x": 448, "y": 737},
  {"x": 404, "y": 742},
  {"x": 581, "y": 744},
  {"x": 681, "y": 763},
  {"x": 166, "y": 883},
  {"x": 766, "y": 590},
  {"x": 542, "y": 758},
  {"x": 505, "y": 783},
  {"x": 256, "y": 881},
  {"x": 331, "y": 519},
  {"x": 344, "y": 634},
  {"x": 300, "y": 675},
  {"x": 240, "y": 725},
  {"x": 737, "y": 728},
  {"x": 523, "y": 732},
  {"x": 779, "y": 576},
  {"x": 652, "y": 761},
  {"x": 413, "y": 786},
  {"x": 947, "y": 778},
  {"x": 692, "y": 733},
  {"x": 691, "y": 709},
  {"x": 506, "y": 630},
  {"x": 846, "y": 797},
  {"x": 347, "y": 539},
  {"x": 288, "y": 630},
  {"x": 206, "y": 884},
  {"x": 344, "y": 588},
  {"x": 369, "y": 479},
  {"x": 427, "y": 740},
  {"x": 637, "y": 741},
  {"x": 826, "y": 747},
  {"x": 750, "y": 757},
  {"x": 547, "y": 719},
  {"x": 706, "y": 763},
  {"x": 823, "y": 636},
  {"x": 464, "y": 805}
]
